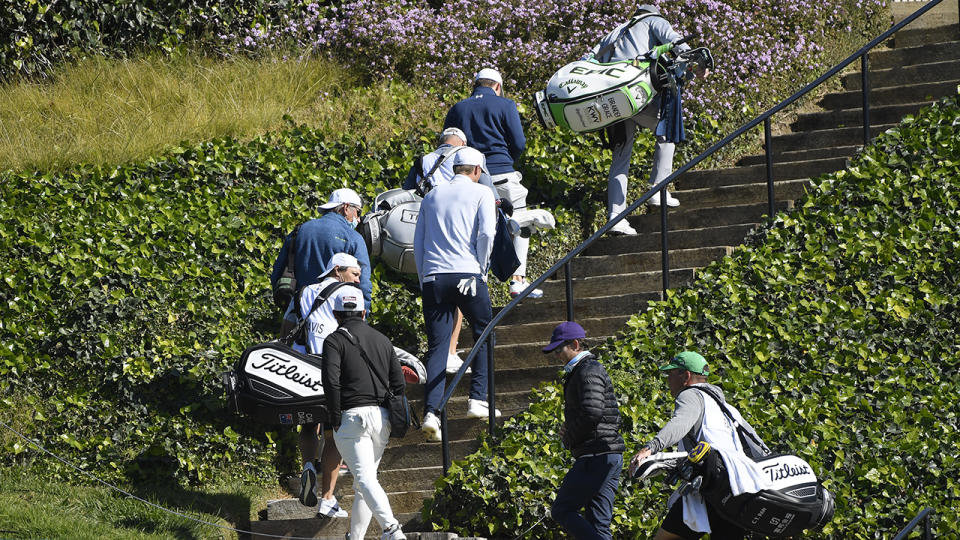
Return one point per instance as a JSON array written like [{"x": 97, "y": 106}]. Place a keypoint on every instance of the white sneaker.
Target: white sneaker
[
  {"x": 393, "y": 533},
  {"x": 330, "y": 508},
  {"x": 671, "y": 200},
  {"x": 431, "y": 427},
  {"x": 477, "y": 408},
  {"x": 517, "y": 287},
  {"x": 622, "y": 229},
  {"x": 453, "y": 363}
]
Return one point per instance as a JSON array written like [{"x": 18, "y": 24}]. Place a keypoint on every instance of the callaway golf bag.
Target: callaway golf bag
[
  {"x": 588, "y": 95},
  {"x": 794, "y": 502}
]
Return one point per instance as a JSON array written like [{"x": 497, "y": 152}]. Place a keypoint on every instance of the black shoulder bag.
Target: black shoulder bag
[
  {"x": 397, "y": 406},
  {"x": 286, "y": 285},
  {"x": 422, "y": 186}
]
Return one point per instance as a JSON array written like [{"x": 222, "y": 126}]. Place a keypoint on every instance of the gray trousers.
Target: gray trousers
[{"x": 621, "y": 140}]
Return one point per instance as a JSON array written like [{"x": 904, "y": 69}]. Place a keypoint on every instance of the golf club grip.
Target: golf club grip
[{"x": 686, "y": 38}]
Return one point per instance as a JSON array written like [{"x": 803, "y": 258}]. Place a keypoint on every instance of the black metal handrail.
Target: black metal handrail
[
  {"x": 923, "y": 516},
  {"x": 488, "y": 332}
]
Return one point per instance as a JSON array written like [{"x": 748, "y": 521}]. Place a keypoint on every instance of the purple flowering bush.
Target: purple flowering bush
[{"x": 761, "y": 47}]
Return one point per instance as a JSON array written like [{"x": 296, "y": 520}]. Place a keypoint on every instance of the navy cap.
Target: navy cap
[{"x": 565, "y": 331}]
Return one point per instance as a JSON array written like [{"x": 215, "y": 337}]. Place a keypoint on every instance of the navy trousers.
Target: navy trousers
[
  {"x": 441, "y": 298},
  {"x": 590, "y": 485}
]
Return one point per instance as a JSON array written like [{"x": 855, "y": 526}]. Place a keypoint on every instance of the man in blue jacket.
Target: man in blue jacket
[
  {"x": 318, "y": 240},
  {"x": 491, "y": 123}
]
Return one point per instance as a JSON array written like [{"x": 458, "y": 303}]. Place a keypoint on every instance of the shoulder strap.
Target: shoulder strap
[
  {"x": 291, "y": 251},
  {"x": 317, "y": 302},
  {"x": 609, "y": 47},
  {"x": 742, "y": 432},
  {"x": 443, "y": 157},
  {"x": 356, "y": 343}
]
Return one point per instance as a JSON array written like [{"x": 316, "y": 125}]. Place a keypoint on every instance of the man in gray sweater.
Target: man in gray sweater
[{"x": 693, "y": 420}]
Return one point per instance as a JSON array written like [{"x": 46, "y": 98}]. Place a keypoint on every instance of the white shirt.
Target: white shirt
[
  {"x": 322, "y": 322},
  {"x": 444, "y": 172},
  {"x": 455, "y": 229}
]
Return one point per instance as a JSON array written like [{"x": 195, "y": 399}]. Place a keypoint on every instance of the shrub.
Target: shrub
[
  {"x": 40, "y": 34},
  {"x": 834, "y": 330},
  {"x": 755, "y": 44}
]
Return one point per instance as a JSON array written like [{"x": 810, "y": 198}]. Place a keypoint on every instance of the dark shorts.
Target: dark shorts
[{"x": 722, "y": 529}]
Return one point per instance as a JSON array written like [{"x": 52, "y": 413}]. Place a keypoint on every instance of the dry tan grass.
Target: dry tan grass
[{"x": 107, "y": 111}]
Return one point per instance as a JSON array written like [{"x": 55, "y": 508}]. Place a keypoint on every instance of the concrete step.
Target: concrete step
[
  {"x": 726, "y": 235},
  {"x": 327, "y": 528},
  {"x": 640, "y": 282},
  {"x": 906, "y": 75},
  {"x": 646, "y": 261},
  {"x": 461, "y": 427},
  {"x": 680, "y": 218},
  {"x": 789, "y": 190},
  {"x": 895, "y": 95},
  {"x": 758, "y": 173},
  {"x": 410, "y": 456},
  {"x": 827, "y": 138},
  {"x": 513, "y": 375},
  {"x": 416, "y": 479},
  {"x": 908, "y": 56},
  {"x": 555, "y": 311},
  {"x": 540, "y": 331},
  {"x": 943, "y": 29},
  {"x": 886, "y": 114},
  {"x": 800, "y": 155}
]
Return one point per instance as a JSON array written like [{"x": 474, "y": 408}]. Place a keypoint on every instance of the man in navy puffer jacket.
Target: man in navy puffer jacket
[{"x": 591, "y": 431}]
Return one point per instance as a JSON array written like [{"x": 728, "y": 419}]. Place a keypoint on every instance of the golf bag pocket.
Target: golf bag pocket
[{"x": 276, "y": 385}]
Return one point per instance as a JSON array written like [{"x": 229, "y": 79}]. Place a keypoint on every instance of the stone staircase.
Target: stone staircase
[{"x": 617, "y": 276}]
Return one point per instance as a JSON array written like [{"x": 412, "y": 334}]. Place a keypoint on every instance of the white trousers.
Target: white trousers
[
  {"x": 361, "y": 439},
  {"x": 509, "y": 187},
  {"x": 622, "y": 152}
]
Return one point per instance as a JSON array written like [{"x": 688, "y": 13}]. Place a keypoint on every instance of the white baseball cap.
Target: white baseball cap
[
  {"x": 343, "y": 260},
  {"x": 489, "y": 73},
  {"x": 342, "y": 196},
  {"x": 457, "y": 132},
  {"x": 349, "y": 298},
  {"x": 468, "y": 156}
]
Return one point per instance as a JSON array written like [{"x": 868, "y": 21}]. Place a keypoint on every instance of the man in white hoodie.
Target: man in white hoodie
[{"x": 696, "y": 417}]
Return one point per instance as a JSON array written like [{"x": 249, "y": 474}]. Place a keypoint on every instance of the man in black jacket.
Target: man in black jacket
[
  {"x": 355, "y": 360},
  {"x": 591, "y": 431}
]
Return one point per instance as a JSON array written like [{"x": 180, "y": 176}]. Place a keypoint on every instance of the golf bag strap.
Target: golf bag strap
[
  {"x": 742, "y": 432},
  {"x": 317, "y": 302},
  {"x": 291, "y": 259},
  {"x": 609, "y": 47},
  {"x": 443, "y": 157}
]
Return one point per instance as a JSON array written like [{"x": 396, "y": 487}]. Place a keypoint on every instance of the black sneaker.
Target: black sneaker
[{"x": 308, "y": 488}]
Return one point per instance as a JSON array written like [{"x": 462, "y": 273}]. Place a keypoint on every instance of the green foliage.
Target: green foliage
[
  {"x": 129, "y": 289},
  {"x": 39, "y": 34},
  {"x": 833, "y": 329}
]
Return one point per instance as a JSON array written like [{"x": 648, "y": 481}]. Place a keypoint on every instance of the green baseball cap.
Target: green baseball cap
[{"x": 688, "y": 360}]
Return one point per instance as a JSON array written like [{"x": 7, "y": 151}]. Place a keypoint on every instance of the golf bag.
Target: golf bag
[
  {"x": 276, "y": 385},
  {"x": 588, "y": 95},
  {"x": 388, "y": 231},
  {"x": 794, "y": 502}
]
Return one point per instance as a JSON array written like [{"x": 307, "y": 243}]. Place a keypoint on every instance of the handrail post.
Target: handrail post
[
  {"x": 664, "y": 245},
  {"x": 767, "y": 142},
  {"x": 865, "y": 90},
  {"x": 926, "y": 528},
  {"x": 445, "y": 441},
  {"x": 568, "y": 278},
  {"x": 491, "y": 393}
]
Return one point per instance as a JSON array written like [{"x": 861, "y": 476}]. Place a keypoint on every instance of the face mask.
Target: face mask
[{"x": 354, "y": 223}]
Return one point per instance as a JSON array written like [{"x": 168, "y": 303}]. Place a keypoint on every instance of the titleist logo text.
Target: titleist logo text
[
  {"x": 282, "y": 367},
  {"x": 784, "y": 471}
]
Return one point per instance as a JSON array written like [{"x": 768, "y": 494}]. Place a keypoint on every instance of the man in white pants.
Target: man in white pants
[{"x": 353, "y": 357}]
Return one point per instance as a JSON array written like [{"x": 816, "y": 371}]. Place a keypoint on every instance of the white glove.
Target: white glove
[{"x": 468, "y": 286}]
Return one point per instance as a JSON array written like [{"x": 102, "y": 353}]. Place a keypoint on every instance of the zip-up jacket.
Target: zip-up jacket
[{"x": 590, "y": 411}]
